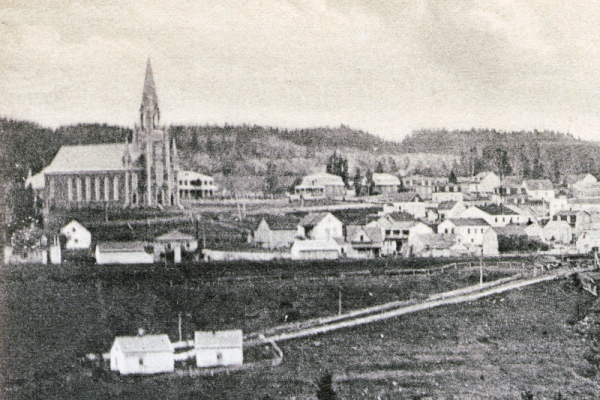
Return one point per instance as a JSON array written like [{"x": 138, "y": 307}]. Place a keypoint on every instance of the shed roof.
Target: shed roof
[
  {"x": 218, "y": 339},
  {"x": 174, "y": 235},
  {"x": 494, "y": 209},
  {"x": 280, "y": 222},
  {"x": 468, "y": 221},
  {"x": 313, "y": 219},
  {"x": 113, "y": 247},
  {"x": 144, "y": 344}
]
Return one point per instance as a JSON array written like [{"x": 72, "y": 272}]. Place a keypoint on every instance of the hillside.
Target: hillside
[{"x": 534, "y": 154}]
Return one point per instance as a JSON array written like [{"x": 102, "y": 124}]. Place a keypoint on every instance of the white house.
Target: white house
[
  {"x": 539, "y": 189},
  {"x": 320, "y": 226},
  {"x": 450, "y": 209},
  {"x": 78, "y": 237},
  {"x": 275, "y": 231},
  {"x": 581, "y": 181},
  {"x": 219, "y": 348},
  {"x": 407, "y": 202},
  {"x": 146, "y": 354},
  {"x": 494, "y": 215},
  {"x": 315, "y": 250},
  {"x": 437, "y": 245},
  {"x": 194, "y": 186},
  {"x": 367, "y": 240},
  {"x": 474, "y": 233},
  {"x": 124, "y": 253},
  {"x": 588, "y": 241},
  {"x": 558, "y": 232},
  {"x": 385, "y": 184},
  {"x": 482, "y": 183},
  {"x": 173, "y": 244},
  {"x": 321, "y": 185}
]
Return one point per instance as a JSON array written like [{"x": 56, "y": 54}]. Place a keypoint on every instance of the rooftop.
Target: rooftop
[{"x": 144, "y": 344}]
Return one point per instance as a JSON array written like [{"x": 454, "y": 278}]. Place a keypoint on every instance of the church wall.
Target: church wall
[{"x": 88, "y": 189}]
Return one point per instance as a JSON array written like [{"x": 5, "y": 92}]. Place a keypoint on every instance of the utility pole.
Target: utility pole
[
  {"x": 180, "y": 326},
  {"x": 340, "y": 302}
]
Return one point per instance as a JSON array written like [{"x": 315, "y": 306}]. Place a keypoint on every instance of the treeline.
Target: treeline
[
  {"x": 25, "y": 145},
  {"x": 531, "y": 155}
]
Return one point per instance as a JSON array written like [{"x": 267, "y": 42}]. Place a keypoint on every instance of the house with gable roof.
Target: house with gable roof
[
  {"x": 539, "y": 189},
  {"x": 276, "y": 231},
  {"x": 495, "y": 215},
  {"x": 450, "y": 209},
  {"x": 145, "y": 354},
  {"x": 366, "y": 240},
  {"x": 407, "y": 202},
  {"x": 219, "y": 348},
  {"x": 173, "y": 244},
  {"x": 588, "y": 241},
  {"x": 474, "y": 233},
  {"x": 78, "y": 237},
  {"x": 557, "y": 232},
  {"x": 437, "y": 245},
  {"x": 581, "y": 181},
  {"x": 320, "y": 226},
  {"x": 321, "y": 185}
]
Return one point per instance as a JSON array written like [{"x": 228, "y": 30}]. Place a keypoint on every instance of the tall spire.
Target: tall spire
[{"x": 149, "y": 113}]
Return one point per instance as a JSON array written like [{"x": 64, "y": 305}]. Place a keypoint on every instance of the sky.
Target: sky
[{"x": 388, "y": 67}]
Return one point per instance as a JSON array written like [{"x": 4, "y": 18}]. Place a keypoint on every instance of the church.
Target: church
[{"x": 141, "y": 171}]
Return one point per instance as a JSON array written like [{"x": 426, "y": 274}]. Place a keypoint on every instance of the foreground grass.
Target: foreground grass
[{"x": 498, "y": 347}]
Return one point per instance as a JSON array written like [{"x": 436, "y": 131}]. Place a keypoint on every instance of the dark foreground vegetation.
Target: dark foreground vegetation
[{"x": 503, "y": 345}]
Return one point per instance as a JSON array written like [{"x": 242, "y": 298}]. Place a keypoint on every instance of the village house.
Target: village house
[
  {"x": 219, "y": 348},
  {"x": 170, "y": 246},
  {"x": 78, "y": 237},
  {"x": 367, "y": 240},
  {"x": 494, "y": 215},
  {"x": 450, "y": 209},
  {"x": 407, "y": 202},
  {"x": 321, "y": 185},
  {"x": 588, "y": 241},
  {"x": 511, "y": 191},
  {"x": 578, "y": 182},
  {"x": 276, "y": 231},
  {"x": 424, "y": 186},
  {"x": 557, "y": 232},
  {"x": 124, "y": 253},
  {"x": 474, "y": 233},
  {"x": 582, "y": 220},
  {"x": 483, "y": 183},
  {"x": 437, "y": 245},
  {"x": 384, "y": 184},
  {"x": 539, "y": 189},
  {"x": 320, "y": 226},
  {"x": 399, "y": 234},
  {"x": 319, "y": 249},
  {"x": 447, "y": 192},
  {"x": 145, "y": 354},
  {"x": 194, "y": 186}
]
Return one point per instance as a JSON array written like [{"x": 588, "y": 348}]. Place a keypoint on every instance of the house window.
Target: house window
[
  {"x": 97, "y": 188},
  {"x": 116, "y": 188},
  {"x": 219, "y": 356},
  {"x": 106, "y": 188},
  {"x": 51, "y": 188},
  {"x": 134, "y": 181},
  {"x": 388, "y": 232},
  {"x": 405, "y": 233},
  {"x": 78, "y": 182},
  {"x": 70, "y": 189},
  {"x": 141, "y": 361},
  {"x": 446, "y": 230},
  {"x": 88, "y": 188},
  {"x": 468, "y": 230},
  {"x": 496, "y": 219}
]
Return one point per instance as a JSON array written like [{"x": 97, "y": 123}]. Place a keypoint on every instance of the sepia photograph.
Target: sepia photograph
[{"x": 300, "y": 199}]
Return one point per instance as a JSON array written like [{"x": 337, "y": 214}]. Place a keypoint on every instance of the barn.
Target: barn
[
  {"x": 146, "y": 354},
  {"x": 124, "y": 253}
]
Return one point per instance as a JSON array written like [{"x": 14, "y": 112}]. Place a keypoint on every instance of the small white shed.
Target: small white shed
[
  {"x": 148, "y": 354},
  {"x": 124, "y": 253},
  {"x": 78, "y": 237},
  {"x": 315, "y": 250},
  {"x": 218, "y": 348}
]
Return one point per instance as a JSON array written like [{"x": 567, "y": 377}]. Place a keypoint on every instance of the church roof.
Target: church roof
[
  {"x": 149, "y": 98},
  {"x": 92, "y": 157}
]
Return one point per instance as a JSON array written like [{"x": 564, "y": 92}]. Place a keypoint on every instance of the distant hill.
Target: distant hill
[{"x": 534, "y": 154}]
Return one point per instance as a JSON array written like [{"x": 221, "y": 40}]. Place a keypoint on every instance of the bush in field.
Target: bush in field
[
  {"x": 326, "y": 391},
  {"x": 521, "y": 243}
]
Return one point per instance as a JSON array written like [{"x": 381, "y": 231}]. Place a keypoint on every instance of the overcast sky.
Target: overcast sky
[{"x": 384, "y": 66}]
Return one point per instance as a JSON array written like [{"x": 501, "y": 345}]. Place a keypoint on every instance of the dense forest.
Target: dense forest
[
  {"x": 531, "y": 155},
  {"x": 264, "y": 151}
]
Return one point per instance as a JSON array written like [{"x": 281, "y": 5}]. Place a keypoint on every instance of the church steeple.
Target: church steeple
[{"x": 149, "y": 112}]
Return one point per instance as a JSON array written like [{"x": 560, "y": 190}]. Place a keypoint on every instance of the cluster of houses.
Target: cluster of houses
[
  {"x": 435, "y": 217},
  {"x": 154, "y": 354}
]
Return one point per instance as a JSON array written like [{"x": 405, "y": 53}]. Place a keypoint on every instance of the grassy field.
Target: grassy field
[{"x": 498, "y": 347}]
